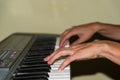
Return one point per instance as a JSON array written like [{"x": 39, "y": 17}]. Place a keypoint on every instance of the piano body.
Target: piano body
[{"x": 21, "y": 58}]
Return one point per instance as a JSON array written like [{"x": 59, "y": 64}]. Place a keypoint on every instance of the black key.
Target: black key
[
  {"x": 34, "y": 62},
  {"x": 31, "y": 78},
  {"x": 41, "y": 69},
  {"x": 38, "y": 65},
  {"x": 35, "y": 57},
  {"x": 35, "y": 66},
  {"x": 41, "y": 74},
  {"x": 38, "y": 54}
]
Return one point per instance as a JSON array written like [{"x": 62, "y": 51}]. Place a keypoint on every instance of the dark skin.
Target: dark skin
[{"x": 91, "y": 50}]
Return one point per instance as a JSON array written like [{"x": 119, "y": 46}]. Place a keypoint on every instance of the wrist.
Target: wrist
[
  {"x": 97, "y": 26},
  {"x": 103, "y": 49}
]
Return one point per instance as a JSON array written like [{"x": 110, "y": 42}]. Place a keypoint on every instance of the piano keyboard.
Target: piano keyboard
[{"x": 31, "y": 65}]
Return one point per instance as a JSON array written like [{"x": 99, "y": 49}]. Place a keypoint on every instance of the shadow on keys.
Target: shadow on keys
[{"x": 93, "y": 66}]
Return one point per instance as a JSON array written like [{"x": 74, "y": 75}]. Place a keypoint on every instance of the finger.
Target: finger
[
  {"x": 65, "y": 38},
  {"x": 62, "y": 36},
  {"x": 60, "y": 54},
  {"x": 66, "y": 62},
  {"x": 64, "y": 33},
  {"x": 50, "y": 56},
  {"x": 54, "y": 53}
]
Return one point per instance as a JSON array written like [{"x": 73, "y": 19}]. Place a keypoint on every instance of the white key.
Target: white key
[{"x": 59, "y": 75}]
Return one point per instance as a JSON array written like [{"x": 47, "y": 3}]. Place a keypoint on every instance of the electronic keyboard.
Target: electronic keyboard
[{"x": 22, "y": 54}]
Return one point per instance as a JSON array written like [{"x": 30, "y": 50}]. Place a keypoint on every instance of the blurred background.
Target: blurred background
[{"x": 54, "y": 16}]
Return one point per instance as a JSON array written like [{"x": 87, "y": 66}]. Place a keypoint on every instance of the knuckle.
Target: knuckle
[{"x": 69, "y": 59}]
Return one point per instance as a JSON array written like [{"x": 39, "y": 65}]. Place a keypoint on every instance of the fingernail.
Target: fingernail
[
  {"x": 48, "y": 62},
  {"x": 45, "y": 59},
  {"x": 59, "y": 70}
]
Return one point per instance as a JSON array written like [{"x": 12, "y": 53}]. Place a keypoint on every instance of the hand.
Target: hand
[
  {"x": 84, "y": 32},
  {"x": 91, "y": 50}
]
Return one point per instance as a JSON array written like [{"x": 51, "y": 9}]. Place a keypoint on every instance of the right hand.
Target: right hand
[
  {"x": 84, "y": 32},
  {"x": 90, "y": 50}
]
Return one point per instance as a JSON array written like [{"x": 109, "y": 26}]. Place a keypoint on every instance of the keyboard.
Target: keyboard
[{"x": 22, "y": 54}]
